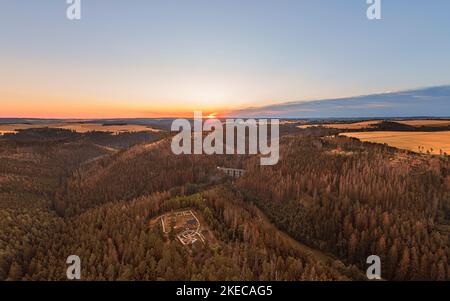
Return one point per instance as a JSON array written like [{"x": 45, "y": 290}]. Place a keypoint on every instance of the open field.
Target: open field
[
  {"x": 433, "y": 142},
  {"x": 345, "y": 126},
  {"x": 79, "y": 127},
  {"x": 373, "y": 123},
  {"x": 430, "y": 123},
  {"x": 2, "y": 132}
]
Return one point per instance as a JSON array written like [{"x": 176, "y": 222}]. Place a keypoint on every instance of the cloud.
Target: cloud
[{"x": 427, "y": 102}]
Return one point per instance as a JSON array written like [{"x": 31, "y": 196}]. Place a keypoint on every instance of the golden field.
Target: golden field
[
  {"x": 2, "y": 132},
  {"x": 433, "y": 142},
  {"x": 79, "y": 127},
  {"x": 344, "y": 126},
  {"x": 430, "y": 123},
  {"x": 372, "y": 123}
]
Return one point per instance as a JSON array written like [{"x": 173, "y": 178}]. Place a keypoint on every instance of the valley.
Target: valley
[{"x": 329, "y": 203}]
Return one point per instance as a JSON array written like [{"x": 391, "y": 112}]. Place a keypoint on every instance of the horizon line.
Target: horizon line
[{"x": 229, "y": 117}]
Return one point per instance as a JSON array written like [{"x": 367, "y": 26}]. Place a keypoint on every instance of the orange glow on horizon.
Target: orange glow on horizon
[
  {"x": 39, "y": 104},
  {"x": 98, "y": 111}
]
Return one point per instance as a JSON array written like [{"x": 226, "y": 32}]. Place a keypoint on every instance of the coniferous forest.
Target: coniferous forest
[{"x": 328, "y": 204}]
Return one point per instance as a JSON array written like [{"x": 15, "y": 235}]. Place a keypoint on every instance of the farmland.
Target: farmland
[
  {"x": 432, "y": 142},
  {"x": 428, "y": 123},
  {"x": 371, "y": 124},
  {"x": 342, "y": 126},
  {"x": 79, "y": 127}
]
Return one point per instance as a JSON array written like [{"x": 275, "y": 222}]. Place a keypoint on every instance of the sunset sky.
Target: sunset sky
[{"x": 153, "y": 58}]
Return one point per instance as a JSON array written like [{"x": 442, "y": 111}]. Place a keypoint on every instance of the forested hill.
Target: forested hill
[{"x": 317, "y": 215}]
